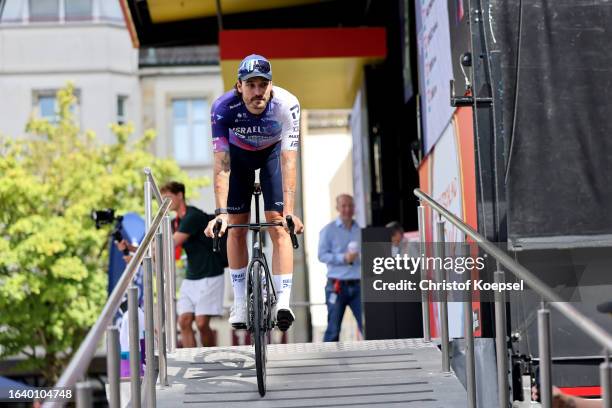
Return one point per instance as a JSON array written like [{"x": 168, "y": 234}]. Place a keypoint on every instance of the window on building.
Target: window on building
[
  {"x": 46, "y": 107},
  {"x": 13, "y": 11},
  {"x": 121, "y": 109},
  {"x": 110, "y": 10},
  {"x": 44, "y": 10},
  {"x": 191, "y": 131},
  {"x": 78, "y": 9}
]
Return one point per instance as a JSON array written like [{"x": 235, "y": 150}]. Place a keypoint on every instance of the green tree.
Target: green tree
[{"x": 52, "y": 275}]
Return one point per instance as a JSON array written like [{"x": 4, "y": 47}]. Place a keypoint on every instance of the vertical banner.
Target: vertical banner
[
  {"x": 446, "y": 190},
  {"x": 435, "y": 68},
  {"x": 448, "y": 175},
  {"x": 361, "y": 189}
]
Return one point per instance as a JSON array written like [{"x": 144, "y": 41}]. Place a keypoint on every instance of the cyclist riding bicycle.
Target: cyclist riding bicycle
[{"x": 256, "y": 126}]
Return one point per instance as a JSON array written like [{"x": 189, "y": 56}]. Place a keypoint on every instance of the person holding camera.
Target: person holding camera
[{"x": 201, "y": 293}]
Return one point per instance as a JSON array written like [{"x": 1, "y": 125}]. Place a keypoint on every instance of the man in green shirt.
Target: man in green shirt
[{"x": 201, "y": 293}]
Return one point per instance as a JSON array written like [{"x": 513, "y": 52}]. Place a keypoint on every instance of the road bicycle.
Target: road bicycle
[{"x": 260, "y": 291}]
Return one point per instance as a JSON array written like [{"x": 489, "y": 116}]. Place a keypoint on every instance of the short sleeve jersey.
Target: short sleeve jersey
[
  {"x": 232, "y": 123},
  {"x": 202, "y": 262}
]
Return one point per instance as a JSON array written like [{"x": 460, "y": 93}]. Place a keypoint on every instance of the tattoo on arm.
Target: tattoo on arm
[
  {"x": 225, "y": 162},
  {"x": 288, "y": 169},
  {"x": 221, "y": 178}
]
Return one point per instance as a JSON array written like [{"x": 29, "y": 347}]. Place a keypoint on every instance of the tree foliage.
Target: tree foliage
[{"x": 52, "y": 273}]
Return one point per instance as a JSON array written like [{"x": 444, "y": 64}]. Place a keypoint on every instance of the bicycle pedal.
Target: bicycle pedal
[
  {"x": 239, "y": 326},
  {"x": 284, "y": 320}
]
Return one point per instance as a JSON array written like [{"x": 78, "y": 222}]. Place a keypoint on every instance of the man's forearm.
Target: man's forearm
[
  {"x": 289, "y": 172},
  {"x": 221, "y": 178}
]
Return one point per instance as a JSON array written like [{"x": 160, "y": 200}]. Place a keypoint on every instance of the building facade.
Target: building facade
[{"x": 44, "y": 44}]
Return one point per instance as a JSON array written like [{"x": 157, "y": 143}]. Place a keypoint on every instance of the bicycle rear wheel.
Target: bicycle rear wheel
[{"x": 259, "y": 329}]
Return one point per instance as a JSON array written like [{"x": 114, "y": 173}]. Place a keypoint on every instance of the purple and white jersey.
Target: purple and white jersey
[{"x": 233, "y": 123}]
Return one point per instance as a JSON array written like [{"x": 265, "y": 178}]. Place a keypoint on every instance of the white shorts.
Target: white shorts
[{"x": 201, "y": 296}]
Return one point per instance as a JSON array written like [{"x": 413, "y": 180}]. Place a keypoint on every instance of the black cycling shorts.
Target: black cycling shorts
[{"x": 243, "y": 164}]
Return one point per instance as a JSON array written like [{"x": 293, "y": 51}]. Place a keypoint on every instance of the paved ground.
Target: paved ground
[{"x": 385, "y": 373}]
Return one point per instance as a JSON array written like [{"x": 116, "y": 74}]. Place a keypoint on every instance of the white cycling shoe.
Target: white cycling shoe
[
  {"x": 238, "y": 315},
  {"x": 284, "y": 318}
]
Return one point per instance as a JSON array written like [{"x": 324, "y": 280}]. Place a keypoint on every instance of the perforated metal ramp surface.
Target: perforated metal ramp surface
[{"x": 384, "y": 373}]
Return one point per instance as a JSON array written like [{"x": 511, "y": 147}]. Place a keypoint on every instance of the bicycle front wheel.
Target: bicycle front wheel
[{"x": 259, "y": 329}]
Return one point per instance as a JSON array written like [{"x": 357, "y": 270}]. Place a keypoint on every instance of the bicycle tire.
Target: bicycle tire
[{"x": 259, "y": 329}]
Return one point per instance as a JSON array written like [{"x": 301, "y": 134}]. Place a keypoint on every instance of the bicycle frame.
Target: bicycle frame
[{"x": 259, "y": 257}]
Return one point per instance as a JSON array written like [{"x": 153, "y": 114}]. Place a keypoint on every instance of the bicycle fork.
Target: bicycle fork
[{"x": 268, "y": 289}]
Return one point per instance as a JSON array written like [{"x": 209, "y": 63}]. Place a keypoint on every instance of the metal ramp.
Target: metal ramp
[{"x": 386, "y": 373}]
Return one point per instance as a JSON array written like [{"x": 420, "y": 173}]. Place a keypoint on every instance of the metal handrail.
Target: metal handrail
[
  {"x": 170, "y": 268},
  {"x": 501, "y": 339},
  {"x": 154, "y": 188},
  {"x": 594, "y": 331},
  {"x": 79, "y": 363}
]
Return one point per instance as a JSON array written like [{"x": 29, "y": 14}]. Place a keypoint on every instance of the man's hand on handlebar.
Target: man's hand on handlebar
[
  {"x": 290, "y": 225},
  {"x": 209, "y": 231},
  {"x": 298, "y": 226}
]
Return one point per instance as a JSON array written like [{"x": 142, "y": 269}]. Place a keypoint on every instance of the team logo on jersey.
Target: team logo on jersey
[
  {"x": 270, "y": 129},
  {"x": 235, "y": 105},
  {"x": 295, "y": 111},
  {"x": 219, "y": 117},
  {"x": 249, "y": 130}
]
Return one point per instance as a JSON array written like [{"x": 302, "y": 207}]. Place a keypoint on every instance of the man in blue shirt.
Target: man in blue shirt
[{"x": 339, "y": 249}]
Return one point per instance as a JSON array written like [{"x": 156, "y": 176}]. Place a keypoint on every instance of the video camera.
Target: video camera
[{"x": 104, "y": 217}]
